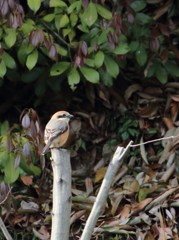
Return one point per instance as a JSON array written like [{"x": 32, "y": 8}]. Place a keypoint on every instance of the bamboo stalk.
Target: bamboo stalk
[
  {"x": 61, "y": 194},
  {"x": 103, "y": 192}
]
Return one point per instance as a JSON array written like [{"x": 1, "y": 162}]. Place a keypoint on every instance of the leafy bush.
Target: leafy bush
[
  {"x": 87, "y": 40},
  {"x": 20, "y": 149}
]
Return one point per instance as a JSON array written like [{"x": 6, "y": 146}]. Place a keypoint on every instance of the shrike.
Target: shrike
[{"x": 57, "y": 130}]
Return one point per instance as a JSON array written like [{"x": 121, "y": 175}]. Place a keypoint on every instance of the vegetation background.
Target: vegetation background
[{"x": 114, "y": 65}]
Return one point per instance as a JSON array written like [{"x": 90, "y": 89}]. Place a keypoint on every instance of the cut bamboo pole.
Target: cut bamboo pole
[
  {"x": 103, "y": 192},
  {"x": 61, "y": 194}
]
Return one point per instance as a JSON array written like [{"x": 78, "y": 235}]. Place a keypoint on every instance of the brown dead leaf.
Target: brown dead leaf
[
  {"x": 175, "y": 98},
  {"x": 89, "y": 185},
  {"x": 132, "y": 89},
  {"x": 104, "y": 95},
  {"x": 162, "y": 10},
  {"x": 149, "y": 236},
  {"x": 125, "y": 213},
  {"x": 174, "y": 110},
  {"x": 42, "y": 234},
  {"x": 139, "y": 206},
  {"x": 100, "y": 174},
  {"x": 131, "y": 185},
  {"x": 154, "y": 91},
  {"x": 77, "y": 215},
  {"x": 162, "y": 229},
  {"x": 174, "y": 85},
  {"x": 148, "y": 111},
  {"x": 145, "y": 96},
  {"x": 168, "y": 122},
  {"x": 27, "y": 180},
  {"x": 115, "y": 204}
]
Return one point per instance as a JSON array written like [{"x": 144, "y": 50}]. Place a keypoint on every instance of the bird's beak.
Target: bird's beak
[{"x": 70, "y": 116}]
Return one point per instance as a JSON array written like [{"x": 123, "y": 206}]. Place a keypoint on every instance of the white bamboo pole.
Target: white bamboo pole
[
  {"x": 61, "y": 194},
  {"x": 103, "y": 192}
]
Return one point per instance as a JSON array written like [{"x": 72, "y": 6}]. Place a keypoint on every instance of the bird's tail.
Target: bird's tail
[{"x": 46, "y": 148}]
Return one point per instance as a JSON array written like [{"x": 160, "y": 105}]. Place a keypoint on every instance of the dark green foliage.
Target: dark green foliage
[{"x": 83, "y": 40}]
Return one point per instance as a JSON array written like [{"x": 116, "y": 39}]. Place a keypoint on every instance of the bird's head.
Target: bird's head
[{"x": 62, "y": 115}]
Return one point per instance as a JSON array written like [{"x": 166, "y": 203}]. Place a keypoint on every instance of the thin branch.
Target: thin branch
[
  {"x": 6, "y": 196},
  {"x": 155, "y": 140},
  {"x": 161, "y": 198}
]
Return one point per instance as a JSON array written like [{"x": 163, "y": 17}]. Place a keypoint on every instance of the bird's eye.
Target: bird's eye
[{"x": 61, "y": 115}]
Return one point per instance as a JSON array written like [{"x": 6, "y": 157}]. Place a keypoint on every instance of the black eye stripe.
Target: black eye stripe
[{"x": 61, "y": 116}]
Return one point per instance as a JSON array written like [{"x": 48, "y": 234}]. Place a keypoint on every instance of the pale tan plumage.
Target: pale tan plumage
[{"x": 57, "y": 130}]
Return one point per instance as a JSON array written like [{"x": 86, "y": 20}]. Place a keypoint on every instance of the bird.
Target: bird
[{"x": 57, "y": 131}]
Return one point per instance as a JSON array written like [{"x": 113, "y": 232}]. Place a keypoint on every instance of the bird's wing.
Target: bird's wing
[{"x": 54, "y": 129}]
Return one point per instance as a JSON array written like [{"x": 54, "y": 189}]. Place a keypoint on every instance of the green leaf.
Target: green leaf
[
  {"x": 29, "y": 168},
  {"x": 111, "y": 66},
  {"x": 99, "y": 59},
  {"x": 34, "y": 5},
  {"x": 89, "y": 62},
  {"x": 141, "y": 56},
  {"x": 73, "y": 78},
  {"x": 152, "y": 69},
  {"x": 62, "y": 51},
  {"x": 90, "y": 74},
  {"x": 11, "y": 173},
  {"x": 21, "y": 53},
  {"x": 4, "y": 127},
  {"x": 106, "y": 78},
  {"x": 4, "y": 155},
  {"x": 10, "y": 37},
  {"x": 66, "y": 31},
  {"x": 59, "y": 68},
  {"x": 161, "y": 74},
  {"x": 103, "y": 12},
  {"x": 83, "y": 27},
  {"x": 90, "y": 14},
  {"x": 73, "y": 19},
  {"x": 122, "y": 48},
  {"x": 49, "y": 17},
  {"x": 28, "y": 26},
  {"x": 57, "y": 3},
  {"x": 133, "y": 46},
  {"x": 64, "y": 21},
  {"x": 143, "y": 19},
  {"x": 9, "y": 61},
  {"x": 32, "y": 59},
  {"x": 138, "y": 5},
  {"x": 102, "y": 37},
  {"x": 76, "y": 5},
  {"x": 2, "y": 69},
  {"x": 172, "y": 68}
]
